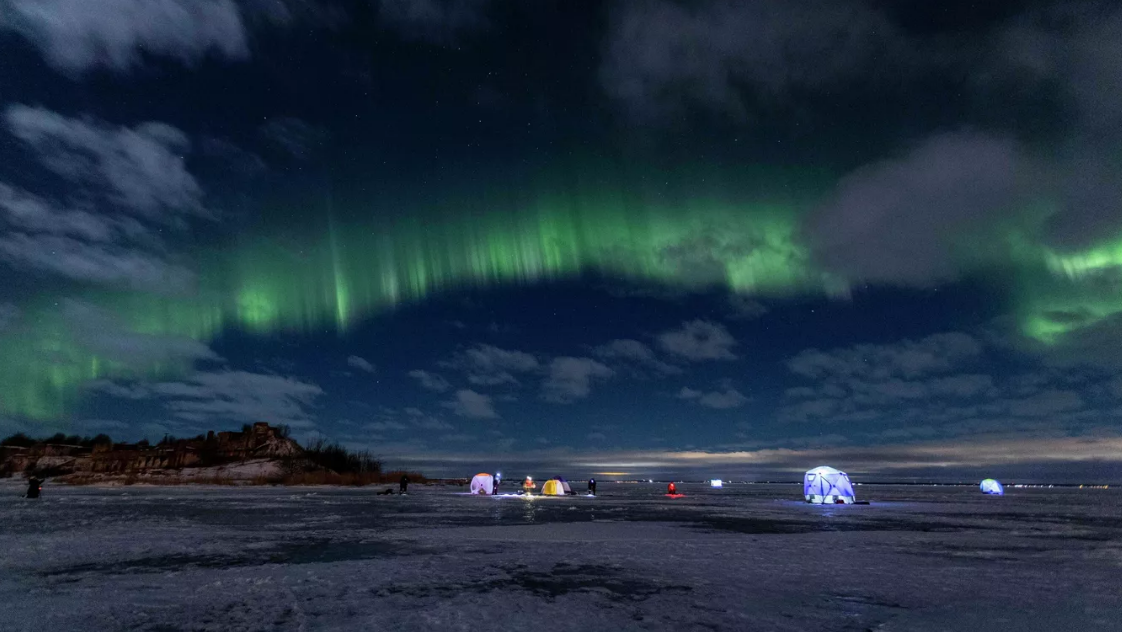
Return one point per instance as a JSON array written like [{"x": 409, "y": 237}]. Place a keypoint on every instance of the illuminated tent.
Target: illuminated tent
[
  {"x": 556, "y": 486},
  {"x": 825, "y": 485},
  {"x": 483, "y": 483},
  {"x": 990, "y": 486}
]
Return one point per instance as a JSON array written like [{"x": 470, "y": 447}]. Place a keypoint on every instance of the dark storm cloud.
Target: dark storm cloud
[
  {"x": 78, "y": 35},
  {"x": 571, "y": 379},
  {"x": 901, "y": 220},
  {"x": 698, "y": 341},
  {"x": 436, "y": 21}
]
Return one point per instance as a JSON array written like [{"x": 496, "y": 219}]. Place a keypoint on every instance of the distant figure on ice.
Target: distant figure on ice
[
  {"x": 34, "y": 486},
  {"x": 592, "y": 486},
  {"x": 404, "y": 483},
  {"x": 671, "y": 489}
]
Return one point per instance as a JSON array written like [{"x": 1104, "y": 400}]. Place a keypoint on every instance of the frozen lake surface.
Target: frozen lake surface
[{"x": 746, "y": 557}]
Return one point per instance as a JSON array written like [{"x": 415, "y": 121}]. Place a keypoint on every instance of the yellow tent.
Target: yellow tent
[{"x": 553, "y": 487}]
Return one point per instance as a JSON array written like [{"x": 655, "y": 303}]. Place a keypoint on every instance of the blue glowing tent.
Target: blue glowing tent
[
  {"x": 826, "y": 486},
  {"x": 990, "y": 486}
]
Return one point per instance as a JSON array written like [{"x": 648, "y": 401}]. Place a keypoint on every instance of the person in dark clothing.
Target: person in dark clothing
[
  {"x": 404, "y": 483},
  {"x": 592, "y": 486},
  {"x": 34, "y": 486}
]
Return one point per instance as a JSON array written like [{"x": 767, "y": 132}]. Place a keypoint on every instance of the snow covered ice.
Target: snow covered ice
[{"x": 745, "y": 557}]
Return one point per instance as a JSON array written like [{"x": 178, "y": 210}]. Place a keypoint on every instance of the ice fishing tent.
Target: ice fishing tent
[
  {"x": 556, "y": 486},
  {"x": 827, "y": 486},
  {"x": 483, "y": 483},
  {"x": 990, "y": 486}
]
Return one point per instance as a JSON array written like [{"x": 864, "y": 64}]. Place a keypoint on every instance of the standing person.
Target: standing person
[
  {"x": 592, "y": 486},
  {"x": 404, "y": 483},
  {"x": 34, "y": 486}
]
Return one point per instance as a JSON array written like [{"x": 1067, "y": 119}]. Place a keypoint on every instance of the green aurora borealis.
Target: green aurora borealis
[{"x": 350, "y": 269}]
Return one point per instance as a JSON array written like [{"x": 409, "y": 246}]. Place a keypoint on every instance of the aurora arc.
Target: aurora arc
[
  {"x": 348, "y": 271},
  {"x": 352, "y": 270}
]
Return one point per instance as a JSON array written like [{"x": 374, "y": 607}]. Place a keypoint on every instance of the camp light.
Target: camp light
[{"x": 716, "y": 483}]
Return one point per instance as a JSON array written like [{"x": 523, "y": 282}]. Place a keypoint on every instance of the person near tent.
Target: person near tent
[
  {"x": 404, "y": 485},
  {"x": 592, "y": 486},
  {"x": 528, "y": 485},
  {"x": 34, "y": 487},
  {"x": 671, "y": 489}
]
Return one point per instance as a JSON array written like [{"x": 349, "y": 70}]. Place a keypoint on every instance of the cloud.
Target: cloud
[
  {"x": 903, "y": 220},
  {"x": 240, "y": 396},
  {"x": 571, "y": 378},
  {"x": 487, "y": 365},
  {"x": 743, "y": 308},
  {"x": 76, "y": 35},
  {"x": 435, "y": 21},
  {"x": 9, "y": 313},
  {"x": 908, "y": 358},
  {"x": 360, "y": 363},
  {"x": 628, "y": 350},
  {"x": 98, "y": 263},
  {"x": 688, "y": 393},
  {"x": 1046, "y": 403},
  {"x": 718, "y": 400},
  {"x": 431, "y": 381},
  {"x": 722, "y": 55},
  {"x": 473, "y": 405},
  {"x": 103, "y": 334},
  {"x": 215, "y": 399},
  {"x": 140, "y": 168},
  {"x": 120, "y": 178},
  {"x": 699, "y": 340},
  {"x": 294, "y": 137}
]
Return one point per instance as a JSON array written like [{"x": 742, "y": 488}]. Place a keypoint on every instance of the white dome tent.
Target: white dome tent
[
  {"x": 483, "y": 483},
  {"x": 826, "y": 486}
]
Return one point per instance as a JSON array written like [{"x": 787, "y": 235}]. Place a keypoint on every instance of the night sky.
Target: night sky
[{"x": 728, "y": 239}]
